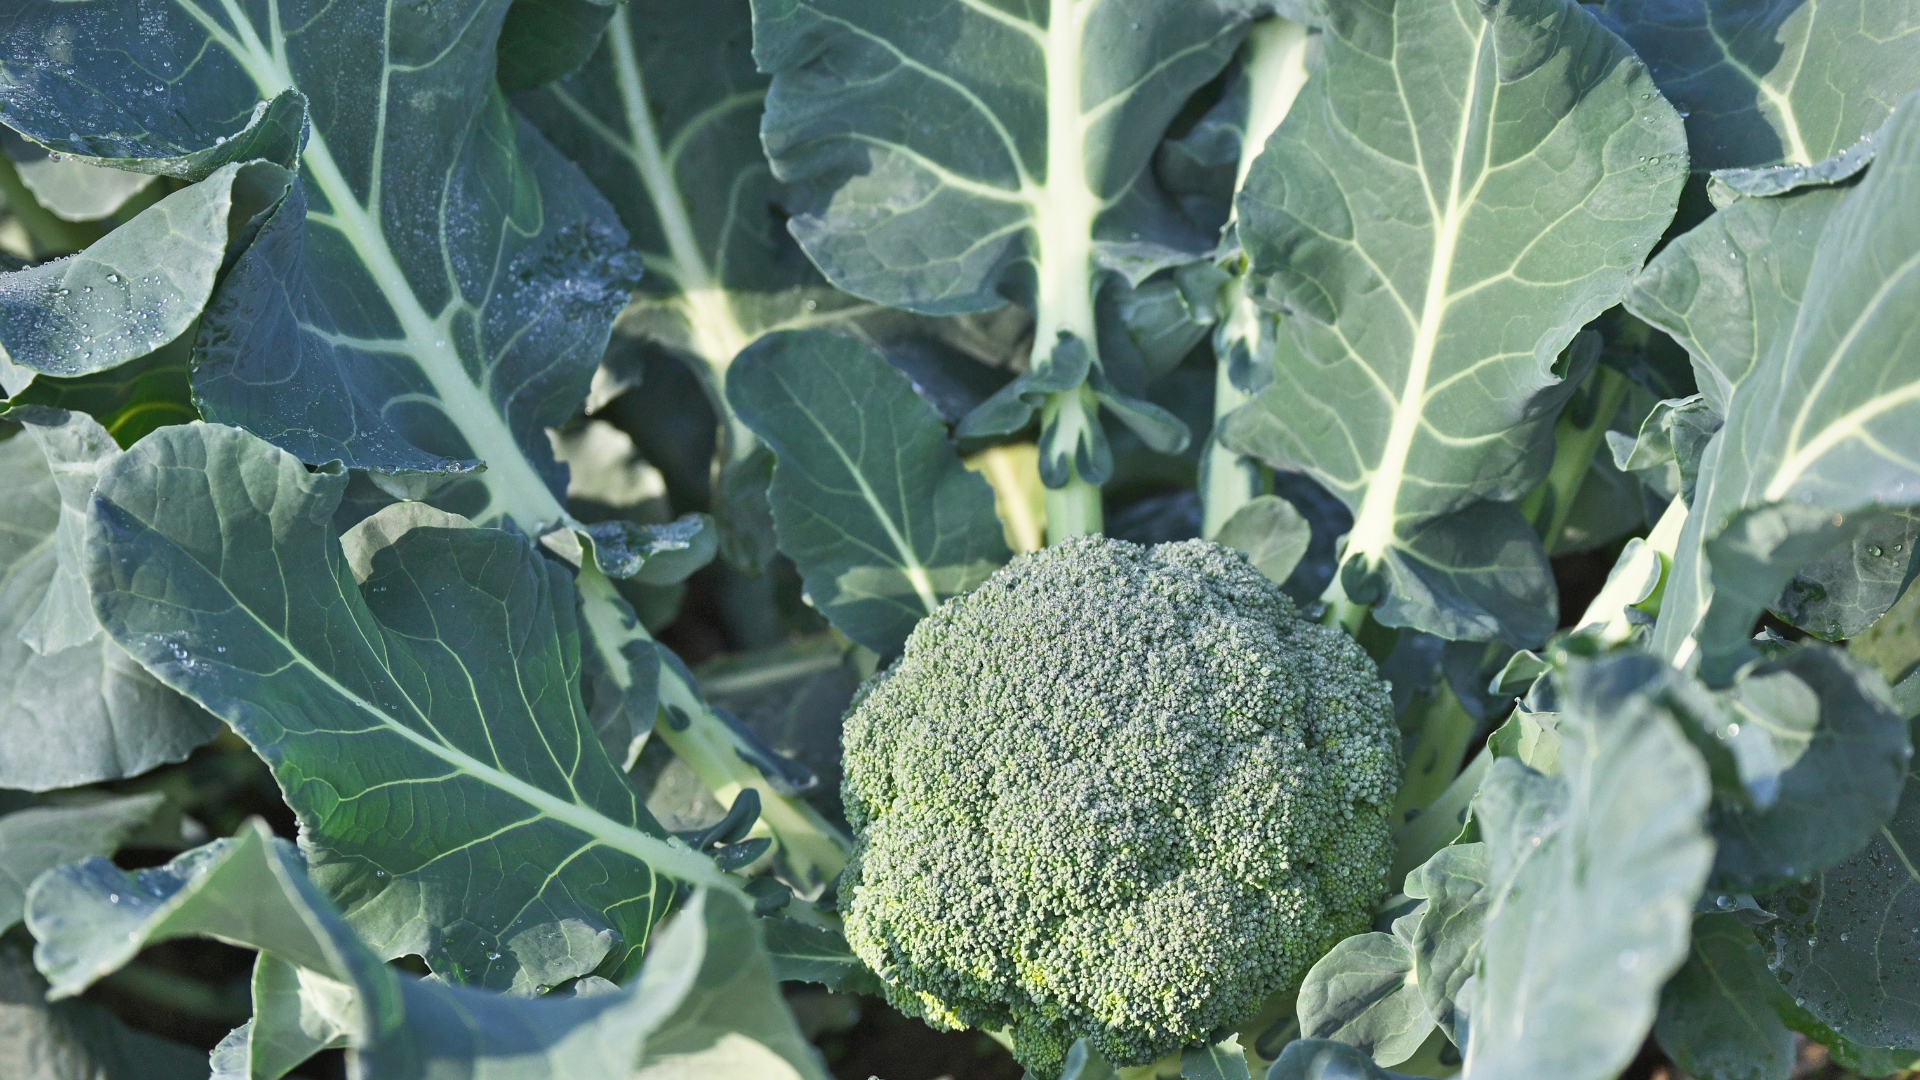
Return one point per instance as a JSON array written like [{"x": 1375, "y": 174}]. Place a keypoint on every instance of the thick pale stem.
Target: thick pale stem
[
  {"x": 1064, "y": 209},
  {"x": 814, "y": 850},
  {"x": 1549, "y": 505},
  {"x": 1232, "y": 479},
  {"x": 1073, "y": 510}
]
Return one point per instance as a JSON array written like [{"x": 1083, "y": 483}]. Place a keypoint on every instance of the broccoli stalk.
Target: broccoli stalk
[{"x": 1114, "y": 793}]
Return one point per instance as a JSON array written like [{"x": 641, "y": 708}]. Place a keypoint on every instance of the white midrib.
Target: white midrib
[
  {"x": 1849, "y": 425},
  {"x": 666, "y": 856},
  {"x": 718, "y": 336},
  {"x": 516, "y": 489},
  {"x": 1781, "y": 100},
  {"x": 910, "y": 565},
  {"x": 1064, "y": 208},
  {"x": 1276, "y": 51},
  {"x": 1373, "y": 526}
]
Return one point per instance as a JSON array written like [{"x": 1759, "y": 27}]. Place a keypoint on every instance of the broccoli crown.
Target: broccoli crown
[{"x": 1116, "y": 792}]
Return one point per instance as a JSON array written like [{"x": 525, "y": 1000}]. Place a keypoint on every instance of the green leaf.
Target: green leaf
[
  {"x": 441, "y": 692},
  {"x": 1270, "y": 533},
  {"x": 1716, "y": 1014},
  {"x": 437, "y": 288},
  {"x": 665, "y": 119},
  {"x": 1823, "y": 791},
  {"x": 1867, "y": 1061},
  {"x": 77, "y": 1040},
  {"x": 1216, "y": 1061},
  {"x": 869, "y": 497},
  {"x": 807, "y": 953},
  {"x": 543, "y": 40},
  {"x": 73, "y": 190},
  {"x": 1822, "y": 435},
  {"x": 1034, "y": 185},
  {"x": 1850, "y": 586},
  {"x": 1455, "y": 193},
  {"x": 1446, "y": 942},
  {"x": 1731, "y": 286},
  {"x": 732, "y": 1023},
  {"x": 1363, "y": 993},
  {"x": 74, "y": 707},
  {"x": 1594, "y": 874},
  {"x": 1674, "y": 435},
  {"x": 129, "y": 400},
  {"x": 1772, "y": 84},
  {"x": 140, "y": 286},
  {"x": 1844, "y": 944},
  {"x": 40, "y": 838},
  {"x": 654, "y": 554},
  {"x": 91, "y": 917},
  {"x": 1321, "y": 1059}
]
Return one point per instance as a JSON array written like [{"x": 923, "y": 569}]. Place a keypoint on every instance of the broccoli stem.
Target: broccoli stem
[
  {"x": 1549, "y": 505},
  {"x": 1274, "y": 58},
  {"x": 1232, "y": 480},
  {"x": 48, "y": 234},
  {"x": 812, "y": 850},
  {"x": 1073, "y": 510}
]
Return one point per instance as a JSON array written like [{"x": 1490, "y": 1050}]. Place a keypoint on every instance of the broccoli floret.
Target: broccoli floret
[{"x": 1116, "y": 792}]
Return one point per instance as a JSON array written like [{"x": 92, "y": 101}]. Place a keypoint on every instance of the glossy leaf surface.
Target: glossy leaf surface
[
  {"x": 438, "y": 696},
  {"x": 1452, "y": 196}
]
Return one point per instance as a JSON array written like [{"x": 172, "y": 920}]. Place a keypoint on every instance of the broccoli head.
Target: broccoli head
[{"x": 1115, "y": 792}]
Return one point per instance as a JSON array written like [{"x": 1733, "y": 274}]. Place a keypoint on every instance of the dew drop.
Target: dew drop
[
  {"x": 113, "y": 898},
  {"x": 1873, "y": 550},
  {"x": 493, "y": 956}
]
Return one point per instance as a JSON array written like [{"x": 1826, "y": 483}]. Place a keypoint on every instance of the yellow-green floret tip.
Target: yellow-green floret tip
[{"x": 1115, "y": 793}]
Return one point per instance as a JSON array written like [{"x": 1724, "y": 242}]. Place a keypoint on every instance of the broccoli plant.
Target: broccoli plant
[
  {"x": 1157, "y": 739},
  {"x": 609, "y": 538}
]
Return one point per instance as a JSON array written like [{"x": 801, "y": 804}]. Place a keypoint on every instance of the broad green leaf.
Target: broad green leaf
[
  {"x": 1672, "y": 439},
  {"x": 91, "y": 917},
  {"x": 1867, "y": 1061},
  {"x": 1775, "y": 84},
  {"x": 140, "y": 286},
  {"x": 1822, "y": 434},
  {"x": 1594, "y": 875},
  {"x": 1321, "y": 1059},
  {"x": 437, "y": 289},
  {"x": 1456, "y": 192},
  {"x": 807, "y": 953},
  {"x": 1446, "y": 942},
  {"x": 1729, "y": 287},
  {"x": 542, "y": 40},
  {"x": 135, "y": 122},
  {"x": 869, "y": 497},
  {"x": 1849, "y": 587},
  {"x": 440, "y": 694},
  {"x": 129, "y": 400},
  {"x": 1832, "y": 775},
  {"x": 40, "y": 838},
  {"x": 732, "y": 1023},
  {"x": 1033, "y": 185},
  {"x": 1363, "y": 993},
  {"x": 74, "y": 190},
  {"x": 1216, "y": 1061},
  {"x": 77, "y": 1040},
  {"x": 74, "y": 707},
  {"x": 1892, "y": 647},
  {"x": 1845, "y": 945},
  {"x": 1716, "y": 1015},
  {"x": 665, "y": 118},
  {"x": 1270, "y": 533}
]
